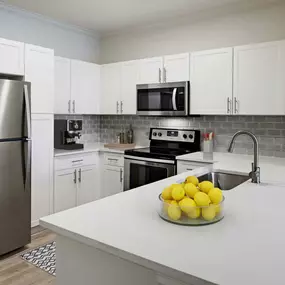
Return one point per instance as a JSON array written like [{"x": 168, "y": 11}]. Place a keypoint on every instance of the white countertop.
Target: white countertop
[
  {"x": 246, "y": 247},
  {"x": 93, "y": 147}
]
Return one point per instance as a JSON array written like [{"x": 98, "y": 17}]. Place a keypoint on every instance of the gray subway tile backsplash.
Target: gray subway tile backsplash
[{"x": 270, "y": 130}]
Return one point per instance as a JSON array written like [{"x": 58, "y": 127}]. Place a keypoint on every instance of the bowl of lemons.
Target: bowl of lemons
[{"x": 191, "y": 203}]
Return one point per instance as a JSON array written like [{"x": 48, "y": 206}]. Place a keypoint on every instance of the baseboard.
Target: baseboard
[{"x": 35, "y": 223}]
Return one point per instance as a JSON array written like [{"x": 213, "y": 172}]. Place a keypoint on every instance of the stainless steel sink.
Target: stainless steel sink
[{"x": 224, "y": 181}]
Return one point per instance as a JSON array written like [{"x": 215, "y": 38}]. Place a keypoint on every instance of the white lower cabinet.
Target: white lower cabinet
[
  {"x": 76, "y": 181},
  {"x": 42, "y": 167},
  {"x": 113, "y": 180},
  {"x": 184, "y": 166}
]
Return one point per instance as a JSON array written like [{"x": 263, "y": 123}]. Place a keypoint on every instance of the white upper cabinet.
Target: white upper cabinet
[
  {"x": 11, "y": 57},
  {"x": 39, "y": 70},
  {"x": 111, "y": 89},
  {"x": 62, "y": 100},
  {"x": 176, "y": 68},
  {"x": 259, "y": 79},
  {"x": 130, "y": 78},
  {"x": 85, "y": 87},
  {"x": 211, "y": 82},
  {"x": 151, "y": 70}
]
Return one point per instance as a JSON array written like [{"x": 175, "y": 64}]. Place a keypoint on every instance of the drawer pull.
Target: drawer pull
[
  {"x": 189, "y": 169},
  {"x": 113, "y": 159},
  {"x": 80, "y": 160}
]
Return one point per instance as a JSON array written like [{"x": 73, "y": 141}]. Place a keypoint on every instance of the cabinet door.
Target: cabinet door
[
  {"x": 39, "y": 70},
  {"x": 176, "y": 68},
  {"x": 259, "y": 79},
  {"x": 130, "y": 78},
  {"x": 111, "y": 85},
  {"x": 11, "y": 57},
  {"x": 88, "y": 185},
  {"x": 62, "y": 100},
  {"x": 151, "y": 70},
  {"x": 211, "y": 82},
  {"x": 42, "y": 167},
  {"x": 65, "y": 188},
  {"x": 112, "y": 180},
  {"x": 85, "y": 87}
]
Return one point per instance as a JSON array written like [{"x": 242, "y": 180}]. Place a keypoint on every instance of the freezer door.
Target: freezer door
[
  {"x": 14, "y": 109},
  {"x": 15, "y": 195}
]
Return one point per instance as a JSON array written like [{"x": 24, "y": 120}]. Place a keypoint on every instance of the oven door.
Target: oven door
[
  {"x": 166, "y": 99},
  {"x": 140, "y": 171}
]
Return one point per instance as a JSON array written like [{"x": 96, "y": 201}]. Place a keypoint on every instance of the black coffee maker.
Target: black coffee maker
[{"x": 66, "y": 134}]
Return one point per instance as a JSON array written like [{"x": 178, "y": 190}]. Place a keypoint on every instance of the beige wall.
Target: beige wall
[{"x": 227, "y": 28}]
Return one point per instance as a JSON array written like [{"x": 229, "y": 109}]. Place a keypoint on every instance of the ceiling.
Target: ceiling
[{"x": 106, "y": 16}]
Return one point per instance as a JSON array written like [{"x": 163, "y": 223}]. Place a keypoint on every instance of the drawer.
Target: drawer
[
  {"x": 114, "y": 159},
  {"x": 75, "y": 160},
  {"x": 184, "y": 166}
]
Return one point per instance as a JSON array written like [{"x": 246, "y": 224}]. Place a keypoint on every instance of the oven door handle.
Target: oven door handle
[
  {"x": 174, "y": 99},
  {"x": 144, "y": 159}
]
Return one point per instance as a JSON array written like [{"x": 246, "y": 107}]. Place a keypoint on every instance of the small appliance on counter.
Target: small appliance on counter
[
  {"x": 147, "y": 165},
  {"x": 66, "y": 134}
]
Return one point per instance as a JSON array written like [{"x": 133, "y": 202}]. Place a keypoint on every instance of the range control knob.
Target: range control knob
[
  {"x": 154, "y": 134},
  {"x": 185, "y": 136},
  {"x": 191, "y": 137},
  {"x": 159, "y": 134}
]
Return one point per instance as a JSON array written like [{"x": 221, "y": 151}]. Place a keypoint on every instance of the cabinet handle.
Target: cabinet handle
[
  {"x": 121, "y": 175},
  {"x": 117, "y": 107},
  {"x": 159, "y": 75},
  {"x": 164, "y": 69},
  {"x": 228, "y": 105},
  {"x": 79, "y": 175},
  {"x": 69, "y": 106},
  {"x": 73, "y": 106},
  {"x": 121, "y": 107},
  {"x": 113, "y": 159},
  {"x": 189, "y": 169},
  {"x": 75, "y": 177},
  {"x": 236, "y": 106}
]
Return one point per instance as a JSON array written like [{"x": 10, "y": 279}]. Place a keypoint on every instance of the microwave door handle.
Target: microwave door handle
[{"x": 174, "y": 99}]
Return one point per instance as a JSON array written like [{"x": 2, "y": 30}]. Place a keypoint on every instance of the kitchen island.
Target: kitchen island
[{"x": 121, "y": 239}]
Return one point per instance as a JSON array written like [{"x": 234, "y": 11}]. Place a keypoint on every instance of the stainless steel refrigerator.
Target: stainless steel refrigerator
[{"x": 15, "y": 165}]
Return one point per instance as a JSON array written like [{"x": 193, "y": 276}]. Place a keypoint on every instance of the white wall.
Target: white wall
[
  {"x": 67, "y": 41},
  {"x": 222, "y": 30}
]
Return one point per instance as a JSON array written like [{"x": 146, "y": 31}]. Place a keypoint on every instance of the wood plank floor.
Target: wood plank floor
[{"x": 15, "y": 271}]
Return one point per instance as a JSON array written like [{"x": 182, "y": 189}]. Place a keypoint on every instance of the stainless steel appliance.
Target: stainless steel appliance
[
  {"x": 66, "y": 134},
  {"x": 165, "y": 99},
  {"x": 15, "y": 164},
  {"x": 147, "y": 165}
]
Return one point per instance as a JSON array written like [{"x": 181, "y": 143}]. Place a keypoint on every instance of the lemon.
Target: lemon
[
  {"x": 216, "y": 195},
  {"x": 206, "y": 186},
  {"x": 186, "y": 205},
  {"x": 174, "y": 185},
  {"x": 195, "y": 213},
  {"x": 166, "y": 193},
  {"x": 174, "y": 203},
  {"x": 190, "y": 189},
  {"x": 166, "y": 205},
  {"x": 218, "y": 209},
  {"x": 202, "y": 199},
  {"x": 209, "y": 213},
  {"x": 192, "y": 179},
  {"x": 174, "y": 212},
  {"x": 178, "y": 192}
]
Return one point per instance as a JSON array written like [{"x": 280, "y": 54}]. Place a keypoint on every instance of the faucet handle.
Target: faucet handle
[{"x": 255, "y": 174}]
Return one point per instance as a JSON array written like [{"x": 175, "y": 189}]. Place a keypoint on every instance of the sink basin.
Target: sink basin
[{"x": 224, "y": 181}]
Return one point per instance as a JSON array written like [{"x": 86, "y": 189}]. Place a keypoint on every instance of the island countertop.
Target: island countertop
[{"x": 246, "y": 247}]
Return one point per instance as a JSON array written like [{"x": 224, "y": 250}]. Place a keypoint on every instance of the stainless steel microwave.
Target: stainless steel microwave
[{"x": 164, "y": 99}]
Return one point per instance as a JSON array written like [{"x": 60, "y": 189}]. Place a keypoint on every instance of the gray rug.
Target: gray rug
[{"x": 43, "y": 257}]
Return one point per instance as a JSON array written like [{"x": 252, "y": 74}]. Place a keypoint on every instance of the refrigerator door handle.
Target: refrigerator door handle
[
  {"x": 28, "y": 110},
  {"x": 26, "y": 163}
]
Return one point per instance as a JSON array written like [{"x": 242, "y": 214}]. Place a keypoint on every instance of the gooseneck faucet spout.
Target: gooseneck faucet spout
[{"x": 255, "y": 173}]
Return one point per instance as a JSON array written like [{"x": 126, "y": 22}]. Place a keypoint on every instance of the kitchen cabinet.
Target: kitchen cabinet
[
  {"x": 151, "y": 70},
  {"x": 259, "y": 79},
  {"x": 39, "y": 70},
  {"x": 119, "y": 88},
  {"x": 65, "y": 190},
  {"x": 113, "y": 180},
  {"x": 111, "y": 88},
  {"x": 77, "y": 180},
  {"x": 176, "y": 68},
  {"x": 185, "y": 166},
  {"x": 11, "y": 57},
  {"x": 42, "y": 167},
  {"x": 62, "y": 82},
  {"x": 85, "y": 87},
  {"x": 211, "y": 82}
]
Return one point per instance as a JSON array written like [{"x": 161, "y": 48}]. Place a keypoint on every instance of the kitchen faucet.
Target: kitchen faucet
[{"x": 255, "y": 173}]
